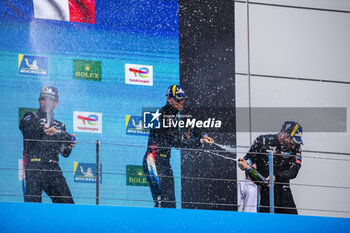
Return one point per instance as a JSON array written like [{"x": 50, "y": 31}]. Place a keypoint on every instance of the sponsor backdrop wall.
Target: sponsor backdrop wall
[{"x": 108, "y": 59}]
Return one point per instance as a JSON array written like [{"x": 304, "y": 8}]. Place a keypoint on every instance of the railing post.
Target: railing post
[
  {"x": 271, "y": 181},
  {"x": 97, "y": 172}
]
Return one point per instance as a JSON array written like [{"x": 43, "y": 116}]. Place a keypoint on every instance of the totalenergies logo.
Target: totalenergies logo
[
  {"x": 89, "y": 122},
  {"x": 91, "y": 119},
  {"x": 141, "y": 72}
]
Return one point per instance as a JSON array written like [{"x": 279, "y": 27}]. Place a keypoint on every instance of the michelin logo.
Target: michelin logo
[
  {"x": 85, "y": 172},
  {"x": 32, "y": 65},
  {"x": 134, "y": 125}
]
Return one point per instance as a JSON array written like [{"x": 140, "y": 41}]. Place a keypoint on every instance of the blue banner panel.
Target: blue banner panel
[{"x": 30, "y": 217}]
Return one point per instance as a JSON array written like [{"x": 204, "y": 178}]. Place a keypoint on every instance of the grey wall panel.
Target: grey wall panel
[
  {"x": 342, "y": 5},
  {"x": 299, "y": 43}
]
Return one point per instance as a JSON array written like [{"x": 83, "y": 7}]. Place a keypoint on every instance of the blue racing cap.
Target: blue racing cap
[
  {"x": 49, "y": 92},
  {"x": 294, "y": 130},
  {"x": 176, "y": 92}
]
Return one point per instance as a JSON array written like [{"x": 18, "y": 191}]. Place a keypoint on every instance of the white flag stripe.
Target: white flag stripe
[
  {"x": 20, "y": 169},
  {"x": 51, "y": 9}
]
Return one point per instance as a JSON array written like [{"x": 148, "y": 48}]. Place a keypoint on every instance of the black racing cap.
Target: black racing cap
[
  {"x": 176, "y": 92},
  {"x": 49, "y": 92},
  {"x": 294, "y": 130}
]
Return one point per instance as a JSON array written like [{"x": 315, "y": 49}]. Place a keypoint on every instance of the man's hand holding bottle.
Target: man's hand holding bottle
[
  {"x": 67, "y": 137},
  {"x": 252, "y": 173},
  {"x": 206, "y": 139},
  {"x": 50, "y": 130}
]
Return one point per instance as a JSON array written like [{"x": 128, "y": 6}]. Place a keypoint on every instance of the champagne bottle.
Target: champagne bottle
[
  {"x": 256, "y": 177},
  {"x": 65, "y": 136}
]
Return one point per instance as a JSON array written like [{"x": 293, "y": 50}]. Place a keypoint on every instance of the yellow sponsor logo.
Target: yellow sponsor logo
[
  {"x": 20, "y": 58},
  {"x": 35, "y": 160},
  {"x": 294, "y": 130},
  {"x": 174, "y": 89},
  {"x": 127, "y": 119},
  {"x": 163, "y": 155},
  {"x": 137, "y": 180}
]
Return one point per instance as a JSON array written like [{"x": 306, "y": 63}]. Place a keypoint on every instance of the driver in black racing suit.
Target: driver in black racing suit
[
  {"x": 156, "y": 162},
  {"x": 44, "y": 138},
  {"x": 286, "y": 165}
]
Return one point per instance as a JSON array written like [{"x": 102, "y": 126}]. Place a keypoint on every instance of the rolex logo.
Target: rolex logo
[{"x": 87, "y": 70}]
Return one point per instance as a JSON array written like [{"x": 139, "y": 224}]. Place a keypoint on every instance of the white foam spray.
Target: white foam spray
[
  {"x": 222, "y": 156},
  {"x": 226, "y": 148},
  {"x": 48, "y": 119}
]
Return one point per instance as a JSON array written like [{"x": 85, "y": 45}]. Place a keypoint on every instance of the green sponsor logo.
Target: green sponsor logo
[
  {"x": 23, "y": 111},
  {"x": 135, "y": 176},
  {"x": 87, "y": 70}
]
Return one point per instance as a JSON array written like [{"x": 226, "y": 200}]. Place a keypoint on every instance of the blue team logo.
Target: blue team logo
[
  {"x": 152, "y": 119},
  {"x": 32, "y": 65},
  {"x": 86, "y": 172},
  {"x": 134, "y": 125}
]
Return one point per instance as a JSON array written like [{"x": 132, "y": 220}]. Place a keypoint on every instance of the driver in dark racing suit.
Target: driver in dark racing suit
[
  {"x": 286, "y": 165},
  {"x": 44, "y": 138},
  {"x": 156, "y": 162}
]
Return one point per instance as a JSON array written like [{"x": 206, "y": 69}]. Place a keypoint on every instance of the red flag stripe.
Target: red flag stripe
[{"x": 82, "y": 11}]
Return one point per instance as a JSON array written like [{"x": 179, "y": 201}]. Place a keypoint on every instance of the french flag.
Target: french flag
[{"x": 81, "y": 11}]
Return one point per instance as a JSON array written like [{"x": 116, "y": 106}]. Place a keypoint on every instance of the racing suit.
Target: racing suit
[
  {"x": 286, "y": 165},
  {"x": 156, "y": 162},
  {"x": 40, "y": 159}
]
